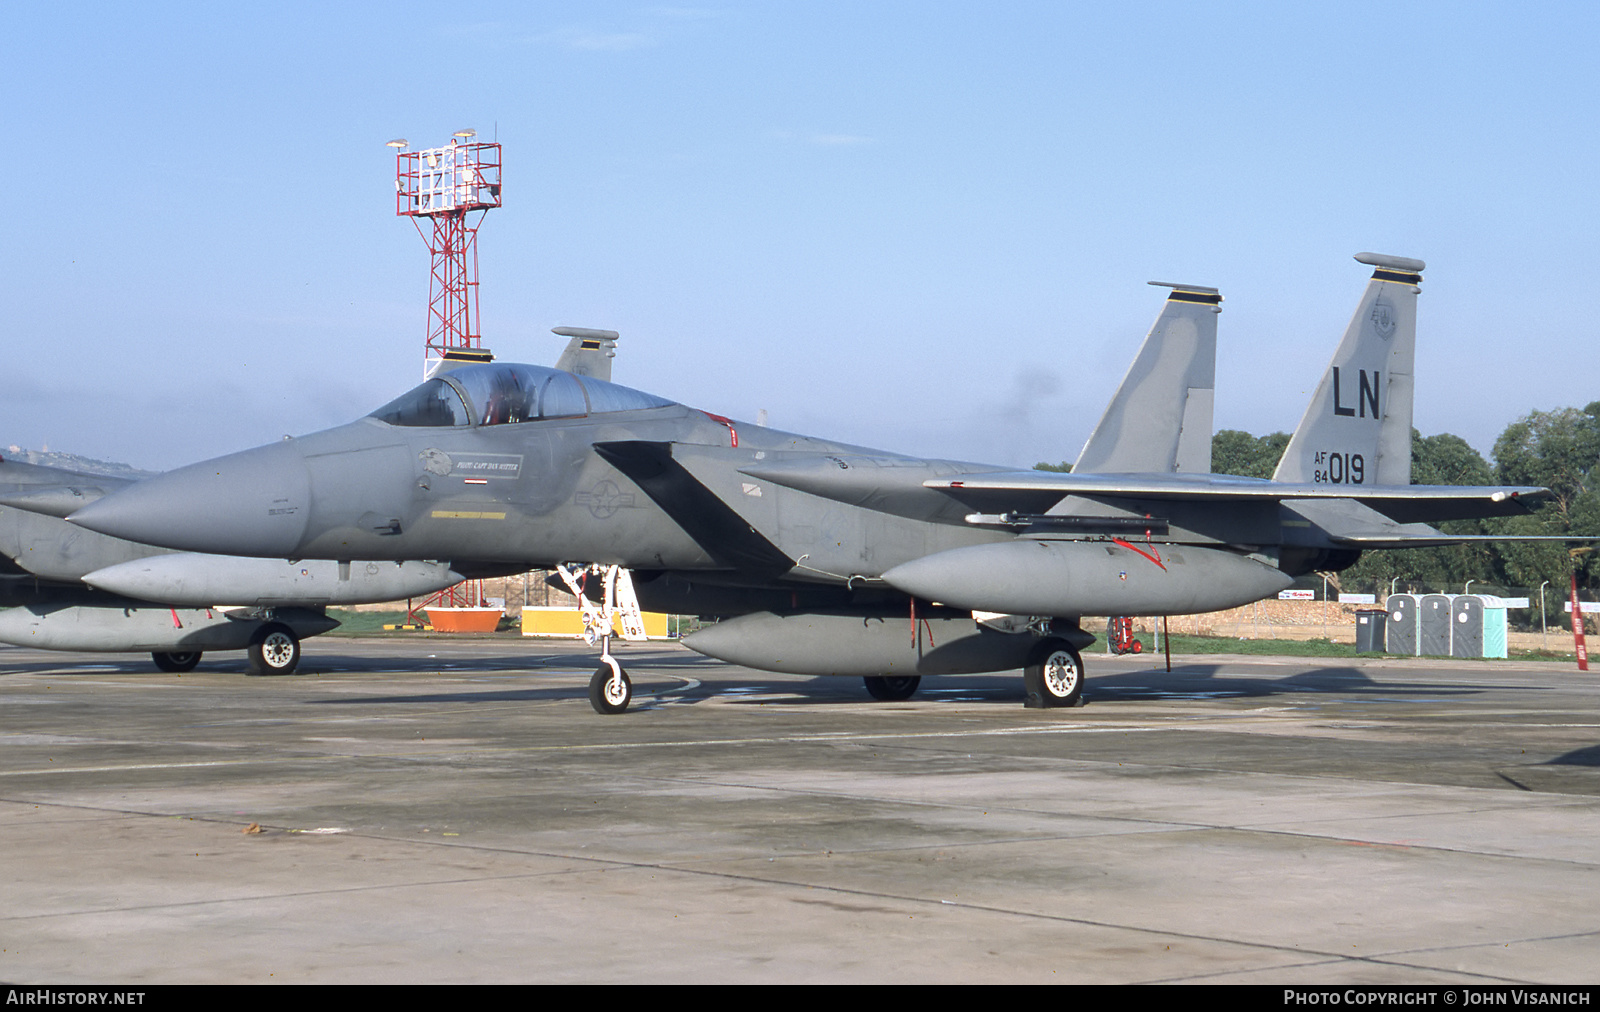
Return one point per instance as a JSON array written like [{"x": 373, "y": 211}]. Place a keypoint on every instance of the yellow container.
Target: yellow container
[{"x": 567, "y": 623}]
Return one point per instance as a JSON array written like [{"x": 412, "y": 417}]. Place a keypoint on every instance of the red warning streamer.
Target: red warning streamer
[
  {"x": 733, "y": 433},
  {"x": 1153, "y": 555}
]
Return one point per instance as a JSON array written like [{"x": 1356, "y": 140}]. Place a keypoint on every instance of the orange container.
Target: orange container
[{"x": 464, "y": 619}]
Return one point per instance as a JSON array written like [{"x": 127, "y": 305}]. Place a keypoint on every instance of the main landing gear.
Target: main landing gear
[
  {"x": 1054, "y": 675},
  {"x": 274, "y": 651},
  {"x": 176, "y": 663},
  {"x": 891, "y": 688}
]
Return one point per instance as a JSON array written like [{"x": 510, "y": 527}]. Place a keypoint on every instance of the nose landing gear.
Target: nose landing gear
[{"x": 610, "y": 690}]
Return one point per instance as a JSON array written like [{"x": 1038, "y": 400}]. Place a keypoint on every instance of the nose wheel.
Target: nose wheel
[{"x": 610, "y": 690}]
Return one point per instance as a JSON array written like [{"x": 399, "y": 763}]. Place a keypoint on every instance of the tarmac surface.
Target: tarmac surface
[{"x": 436, "y": 810}]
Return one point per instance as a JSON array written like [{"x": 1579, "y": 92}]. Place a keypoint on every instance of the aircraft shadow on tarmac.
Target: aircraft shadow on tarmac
[
  {"x": 475, "y": 696},
  {"x": 654, "y": 672},
  {"x": 1589, "y": 755},
  {"x": 1184, "y": 682},
  {"x": 1205, "y": 681}
]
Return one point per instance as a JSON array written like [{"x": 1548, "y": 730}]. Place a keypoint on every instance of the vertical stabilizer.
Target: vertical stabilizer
[
  {"x": 1357, "y": 429},
  {"x": 1159, "y": 420},
  {"x": 589, "y": 353}
]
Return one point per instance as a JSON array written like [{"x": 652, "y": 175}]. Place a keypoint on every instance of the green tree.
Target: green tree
[
  {"x": 1237, "y": 452},
  {"x": 1062, "y": 468},
  {"x": 1560, "y": 450},
  {"x": 1557, "y": 449},
  {"x": 1447, "y": 460}
]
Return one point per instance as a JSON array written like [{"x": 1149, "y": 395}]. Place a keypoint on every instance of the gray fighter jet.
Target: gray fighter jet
[
  {"x": 66, "y": 588},
  {"x": 825, "y": 558}
]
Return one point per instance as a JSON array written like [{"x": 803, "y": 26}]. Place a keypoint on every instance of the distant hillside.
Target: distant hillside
[{"x": 73, "y": 462}]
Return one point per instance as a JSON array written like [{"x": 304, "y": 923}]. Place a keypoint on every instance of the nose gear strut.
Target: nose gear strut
[{"x": 610, "y": 690}]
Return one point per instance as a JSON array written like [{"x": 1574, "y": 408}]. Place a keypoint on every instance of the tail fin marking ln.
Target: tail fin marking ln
[{"x": 1357, "y": 429}]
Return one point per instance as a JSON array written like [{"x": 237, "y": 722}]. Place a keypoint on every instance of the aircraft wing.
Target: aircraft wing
[
  {"x": 1038, "y": 490},
  {"x": 53, "y": 491},
  {"x": 55, "y": 500},
  {"x": 1391, "y": 539}
]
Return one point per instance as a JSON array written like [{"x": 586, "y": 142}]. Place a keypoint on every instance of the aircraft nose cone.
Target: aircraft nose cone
[{"x": 250, "y": 503}]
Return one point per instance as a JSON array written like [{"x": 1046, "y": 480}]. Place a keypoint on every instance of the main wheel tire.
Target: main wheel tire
[
  {"x": 608, "y": 694},
  {"x": 1055, "y": 676},
  {"x": 891, "y": 688},
  {"x": 176, "y": 663},
  {"x": 276, "y": 651}
]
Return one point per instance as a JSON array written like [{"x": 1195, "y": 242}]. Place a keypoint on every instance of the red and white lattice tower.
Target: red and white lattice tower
[{"x": 446, "y": 186}]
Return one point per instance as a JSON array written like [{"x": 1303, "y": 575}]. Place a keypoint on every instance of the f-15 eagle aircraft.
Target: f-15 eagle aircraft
[{"x": 826, "y": 558}]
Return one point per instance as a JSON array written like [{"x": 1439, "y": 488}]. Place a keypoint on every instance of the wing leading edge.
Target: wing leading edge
[{"x": 1038, "y": 490}]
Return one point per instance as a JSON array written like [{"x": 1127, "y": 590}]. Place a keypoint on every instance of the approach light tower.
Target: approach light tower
[{"x": 446, "y": 185}]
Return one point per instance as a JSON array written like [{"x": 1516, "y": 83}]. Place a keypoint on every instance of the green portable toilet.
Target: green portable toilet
[{"x": 1494, "y": 626}]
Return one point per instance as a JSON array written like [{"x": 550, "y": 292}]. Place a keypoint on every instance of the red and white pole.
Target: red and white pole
[{"x": 1577, "y": 627}]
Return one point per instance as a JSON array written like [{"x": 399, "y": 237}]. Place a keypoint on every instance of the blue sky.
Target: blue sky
[{"x": 921, "y": 226}]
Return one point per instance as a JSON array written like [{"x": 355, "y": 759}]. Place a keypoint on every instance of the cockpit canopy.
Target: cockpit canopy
[{"x": 503, "y": 393}]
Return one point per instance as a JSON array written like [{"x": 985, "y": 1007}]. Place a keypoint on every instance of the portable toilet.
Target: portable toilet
[
  {"x": 1494, "y": 625},
  {"x": 1401, "y": 637},
  {"x": 1466, "y": 626},
  {"x": 1433, "y": 625}
]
